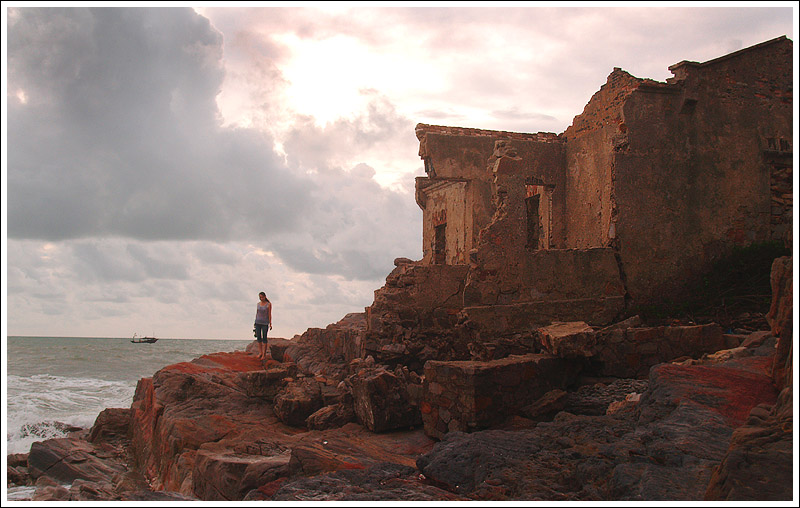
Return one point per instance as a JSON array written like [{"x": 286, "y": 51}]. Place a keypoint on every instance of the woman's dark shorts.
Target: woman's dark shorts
[{"x": 261, "y": 333}]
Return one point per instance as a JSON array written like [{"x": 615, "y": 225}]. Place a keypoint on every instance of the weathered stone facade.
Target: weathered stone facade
[{"x": 668, "y": 176}]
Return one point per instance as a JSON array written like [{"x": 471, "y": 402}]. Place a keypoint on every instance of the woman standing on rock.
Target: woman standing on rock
[{"x": 263, "y": 324}]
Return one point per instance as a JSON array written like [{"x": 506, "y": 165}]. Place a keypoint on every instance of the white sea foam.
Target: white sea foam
[
  {"x": 20, "y": 493},
  {"x": 40, "y": 405},
  {"x": 56, "y": 382}
]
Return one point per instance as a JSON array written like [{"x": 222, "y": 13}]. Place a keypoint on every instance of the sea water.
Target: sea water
[{"x": 54, "y": 383}]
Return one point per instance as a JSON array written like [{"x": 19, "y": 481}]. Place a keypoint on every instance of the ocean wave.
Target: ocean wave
[{"x": 44, "y": 406}]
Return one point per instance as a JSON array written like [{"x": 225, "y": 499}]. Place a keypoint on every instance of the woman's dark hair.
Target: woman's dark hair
[{"x": 265, "y": 295}]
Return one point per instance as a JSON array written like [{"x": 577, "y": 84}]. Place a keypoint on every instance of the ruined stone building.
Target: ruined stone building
[
  {"x": 650, "y": 184},
  {"x": 538, "y": 248}
]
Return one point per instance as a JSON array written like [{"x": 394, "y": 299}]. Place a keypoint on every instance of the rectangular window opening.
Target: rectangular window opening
[
  {"x": 534, "y": 227},
  {"x": 440, "y": 245}
]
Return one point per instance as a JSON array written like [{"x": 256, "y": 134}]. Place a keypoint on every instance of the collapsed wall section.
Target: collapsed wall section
[
  {"x": 412, "y": 316},
  {"x": 591, "y": 142}
]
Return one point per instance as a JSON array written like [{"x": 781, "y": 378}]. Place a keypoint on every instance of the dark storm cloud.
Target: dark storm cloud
[
  {"x": 359, "y": 229},
  {"x": 123, "y": 261},
  {"x": 114, "y": 129}
]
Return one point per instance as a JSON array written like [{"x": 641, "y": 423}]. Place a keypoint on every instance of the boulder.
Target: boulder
[
  {"x": 268, "y": 382},
  {"x": 756, "y": 339},
  {"x": 189, "y": 404},
  {"x": 69, "y": 459},
  {"x": 48, "y": 489},
  {"x": 568, "y": 340},
  {"x": 297, "y": 401},
  {"x": 278, "y": 347},
  {"x": 547, "y": 406},
  {"x": 82, "y": 490},
  {"x": 382, "y": 402},
  {"x": 111, "y": 424},
  {"x": 17, "y": 475},
  {"x": 331, "y": 417},
  {"x": 222, "y": 474},
  {"x": 758, "y": 463},
  {"x": 781, "y": 319},
  {"x": 17, "y": 459}
]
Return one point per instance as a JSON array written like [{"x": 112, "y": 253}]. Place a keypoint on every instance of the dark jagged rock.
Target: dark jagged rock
[
  {"x": 331, "y": 417},
  {"x": 111, "y": 425},
  {"x": 382, "y": 401},
  {"x": 69, "y": 459},
  {"x": 758, "y": 463},
  {"x": 665, "y": 449},
  {"x": 297, "y": 401},
  {"x": 594, "y": 399}
]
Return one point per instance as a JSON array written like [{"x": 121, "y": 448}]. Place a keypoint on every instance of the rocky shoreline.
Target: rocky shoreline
[{"x": 711, "y": 422}]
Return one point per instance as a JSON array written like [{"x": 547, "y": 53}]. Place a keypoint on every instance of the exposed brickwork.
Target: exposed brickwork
[
  {"x": 605, "y": 107},
  {"x": 782, "y": 202}
]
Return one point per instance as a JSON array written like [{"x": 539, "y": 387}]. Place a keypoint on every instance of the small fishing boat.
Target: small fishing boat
[{"x": 143, "y": 340}]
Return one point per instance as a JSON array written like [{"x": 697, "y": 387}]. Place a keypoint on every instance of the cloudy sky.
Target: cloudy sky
[{"x": 161, "y": 166}]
